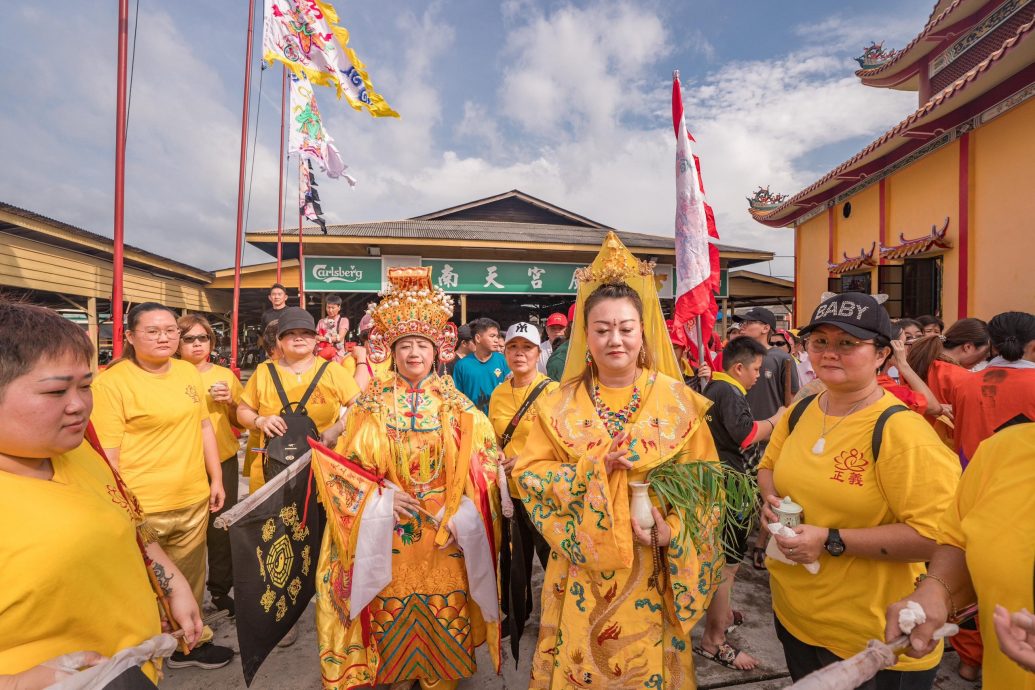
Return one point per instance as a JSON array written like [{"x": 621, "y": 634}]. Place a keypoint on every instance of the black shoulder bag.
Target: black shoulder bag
[
  {"x": 508, "y": 433},
  {"x": 281, "y": 451}
]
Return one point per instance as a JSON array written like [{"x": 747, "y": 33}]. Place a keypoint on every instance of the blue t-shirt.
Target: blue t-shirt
[{"x": 477, "y": 380}]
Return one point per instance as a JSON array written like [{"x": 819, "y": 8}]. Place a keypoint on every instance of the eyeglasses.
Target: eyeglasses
[
  {"x": 203, "y": 338},
  {"x": 172, "y": 333},
  {"x": 842, "y": 346}
]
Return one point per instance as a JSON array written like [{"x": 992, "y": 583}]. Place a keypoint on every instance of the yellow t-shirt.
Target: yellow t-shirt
[
  {"x": 506, "y": 400},
  {"x": 913, "y": 481},
  {"x": 155, "y": 422},
  {"x": 217, "y": 412},
  {"x": 73, "y": 576},
  {"x": 991, "y": 520},
  {"x": 348, "y": 363},
  {"x": 335, "y": 390}
]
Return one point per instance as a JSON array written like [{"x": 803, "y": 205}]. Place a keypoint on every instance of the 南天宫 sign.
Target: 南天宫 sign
[
  {"x": 342, "y": 274},
  {"x": 518, "y": 277}
]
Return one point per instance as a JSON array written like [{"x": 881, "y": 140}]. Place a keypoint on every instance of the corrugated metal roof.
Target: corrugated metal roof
[{"x": 490, "y": 231}]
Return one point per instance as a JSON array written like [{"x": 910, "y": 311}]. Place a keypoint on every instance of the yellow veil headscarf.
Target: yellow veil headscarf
[{"x": 616, "y": 264}]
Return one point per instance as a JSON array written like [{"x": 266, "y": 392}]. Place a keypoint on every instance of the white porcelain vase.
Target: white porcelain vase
[{"x": 640, "y": 505}]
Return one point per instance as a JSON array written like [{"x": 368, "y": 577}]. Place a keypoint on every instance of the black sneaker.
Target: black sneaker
[
  {"x": 224, "y": 602},
  {"x": 207, "y": 656}
]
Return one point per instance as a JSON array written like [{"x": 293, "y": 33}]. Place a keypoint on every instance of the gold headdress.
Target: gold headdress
[
  {"x": 411, "y": 305},
  {"x": 616, "y": 264}
]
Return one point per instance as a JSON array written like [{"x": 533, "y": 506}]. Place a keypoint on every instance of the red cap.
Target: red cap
[
  {"x": 571, "y": 313},
  {"x": 557, "y": 319}
]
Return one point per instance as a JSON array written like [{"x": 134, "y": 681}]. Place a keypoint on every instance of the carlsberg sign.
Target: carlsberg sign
[{"x": 342, "y": 274}]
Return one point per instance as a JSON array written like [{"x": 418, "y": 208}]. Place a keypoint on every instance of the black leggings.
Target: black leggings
[{"x": 802, "y": 659}]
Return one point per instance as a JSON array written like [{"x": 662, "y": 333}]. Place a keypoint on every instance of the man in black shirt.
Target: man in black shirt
[
  {"x": 778, "y": 381},
  {"x": 734, "y": 430},
  {"x": 278, "y": 298}
]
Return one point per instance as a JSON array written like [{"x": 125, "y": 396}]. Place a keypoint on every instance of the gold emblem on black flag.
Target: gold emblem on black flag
[{"x": 279, "y": 557}]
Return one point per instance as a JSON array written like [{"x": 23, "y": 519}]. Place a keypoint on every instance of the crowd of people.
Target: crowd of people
[{"x": 896, "y": 455}]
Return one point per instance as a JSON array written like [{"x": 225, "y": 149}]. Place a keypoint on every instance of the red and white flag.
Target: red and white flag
[{"x": 697, "y": 260}]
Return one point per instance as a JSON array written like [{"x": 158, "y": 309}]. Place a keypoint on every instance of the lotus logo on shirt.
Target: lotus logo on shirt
[{"x": 335, "y": 274}]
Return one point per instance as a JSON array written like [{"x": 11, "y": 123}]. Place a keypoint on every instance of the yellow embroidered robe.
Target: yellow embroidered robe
[
  {"x": 602, "y": 627},
  {"x": 424, "y": 624}
]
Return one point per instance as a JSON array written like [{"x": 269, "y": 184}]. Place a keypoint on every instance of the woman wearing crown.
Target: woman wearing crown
[
  {"x": 413, "y": 432},
  {"x": 619, "y": 600}
]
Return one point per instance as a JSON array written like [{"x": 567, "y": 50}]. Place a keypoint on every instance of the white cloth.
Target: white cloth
[
  {"x": 372, "y": 569},
  {"x": 545, "y": 350},
  {"x": 308, "y": 137},
  {"x": 158, "y": 647},
  {"x": 1007, "y": 364},
  {"x": 481, "y": 574},
  {"x": 773, "y": 549}
]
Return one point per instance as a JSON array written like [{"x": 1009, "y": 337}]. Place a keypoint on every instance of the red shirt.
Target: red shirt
[
  {"x": 984, "y": 401},
  {"x": 913, "y": 400}
]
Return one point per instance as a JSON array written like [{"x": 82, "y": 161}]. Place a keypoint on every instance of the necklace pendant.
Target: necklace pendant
[{"x": 819, "y": 446}]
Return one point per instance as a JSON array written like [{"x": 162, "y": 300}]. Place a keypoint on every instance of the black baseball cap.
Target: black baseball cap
[
  {"x": 854, "y": 313},
  {"x": 760, "y": 314},
  {"x": 295, "y": 317},
  {"x": 463, "y": 334}
]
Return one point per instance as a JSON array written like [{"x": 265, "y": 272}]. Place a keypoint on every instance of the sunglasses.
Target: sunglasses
[
  {"x": 203, "y": 338},
  {"x": 778, "y": 343}
]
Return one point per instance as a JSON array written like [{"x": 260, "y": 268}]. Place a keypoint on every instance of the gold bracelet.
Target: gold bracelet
[{"x": 924, "y": 576}]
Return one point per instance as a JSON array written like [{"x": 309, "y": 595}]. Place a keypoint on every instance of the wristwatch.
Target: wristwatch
[{"x": 834, "y": 546}]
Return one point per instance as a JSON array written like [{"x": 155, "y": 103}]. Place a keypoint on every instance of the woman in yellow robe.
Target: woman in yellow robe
[
  {"x": 616, "y": 609},
  {"x": 415, "y": 430}
]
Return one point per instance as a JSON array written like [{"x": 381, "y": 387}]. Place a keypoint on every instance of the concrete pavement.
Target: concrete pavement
[{"x": 297, "y": 667}]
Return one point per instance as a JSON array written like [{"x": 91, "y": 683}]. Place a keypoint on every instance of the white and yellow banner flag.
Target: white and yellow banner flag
[
  {"x": 307, "y": 136},
  {"x": 305, "y": 36}
]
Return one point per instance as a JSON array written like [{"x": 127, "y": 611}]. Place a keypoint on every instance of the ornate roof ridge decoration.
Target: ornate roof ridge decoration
[
  {"x": 854, "y": 263},
  {"x": 921, "y": 245},
  {"x": 932, "y": 22},
  {"x": 991, "y": 21},
  {"x": 874, "y": 55},
  {"x": 935, "y": 101},
  {"x": 764, "y": 200}
]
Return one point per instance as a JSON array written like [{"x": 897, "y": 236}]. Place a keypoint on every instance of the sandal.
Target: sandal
[
  {"x": 758, "y": 558},
  {"x": 738, "y": 620},
  {"x": 725, "y": 655}
]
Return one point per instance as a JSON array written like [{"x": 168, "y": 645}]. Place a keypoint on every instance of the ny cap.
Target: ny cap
[
  {"x": 854, "y": 313},
  {"x": 523, "y": 330}
]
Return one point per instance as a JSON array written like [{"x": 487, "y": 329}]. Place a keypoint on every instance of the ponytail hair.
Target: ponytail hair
[
  {"x": 1011, "y": 332},
  {"x": 931, "y": 348}
]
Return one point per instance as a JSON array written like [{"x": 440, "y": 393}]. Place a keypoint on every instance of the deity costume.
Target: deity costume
[
  {"x": 615, "y": 613},
  {"x": 437, "y": 604}
]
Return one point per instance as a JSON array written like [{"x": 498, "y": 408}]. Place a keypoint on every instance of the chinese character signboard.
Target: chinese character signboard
[
  {"x": 517, "y": 277},
  {"x": 460, "y": 276},
  {"x": 342, "y": 274}
]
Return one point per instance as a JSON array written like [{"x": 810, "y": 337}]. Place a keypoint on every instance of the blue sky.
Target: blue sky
[{"x": 568, "y": 101}]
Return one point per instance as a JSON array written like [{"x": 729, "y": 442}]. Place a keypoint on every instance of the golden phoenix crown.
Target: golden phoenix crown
[
  {"x": 411, "y": 305},
  {"x": 614, "y": 264}
]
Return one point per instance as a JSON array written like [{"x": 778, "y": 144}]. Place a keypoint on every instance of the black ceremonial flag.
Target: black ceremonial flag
[{"x": 275, "y": 543}]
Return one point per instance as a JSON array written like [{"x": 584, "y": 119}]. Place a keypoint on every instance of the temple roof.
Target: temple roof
[
  {"x": 999, "y": 76},
  {"x": 949, "y": 17}
]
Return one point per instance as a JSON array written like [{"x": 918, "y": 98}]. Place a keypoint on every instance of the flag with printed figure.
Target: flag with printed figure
[
  {"x": 275, "y": 544},
  {"x": 306, "y": 37},
  {"x": 308, "y": 137},
  {"x": 697, "y": 259},
  {"x": 308, "y": 198}
]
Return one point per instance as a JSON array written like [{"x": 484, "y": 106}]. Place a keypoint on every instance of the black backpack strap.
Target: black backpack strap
[
  {"x": 798, "y": 410},
  {"x": 516, "y": 419},
  {"x": 300, "y": 406},
  {"x": 285, "y": 405},
  {"x": 878, "y": 428},
  {"x": 282, "y": 394}
]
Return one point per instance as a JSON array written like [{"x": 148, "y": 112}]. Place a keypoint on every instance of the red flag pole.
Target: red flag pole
[
  {"x": 280, "y": 185},
  {"x": 120, "y": 183},
  {"x": 240, "y": 185},
  {"x": 301, "y": 270}
]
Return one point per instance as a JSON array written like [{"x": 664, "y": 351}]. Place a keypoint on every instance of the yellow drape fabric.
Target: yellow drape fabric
[
  {"x": 600, "y": 620},
  {"x": 430, "y": 441}
]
